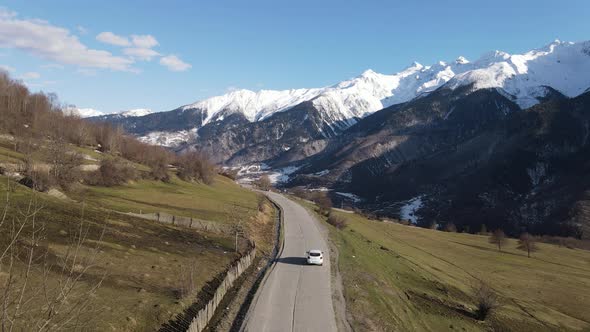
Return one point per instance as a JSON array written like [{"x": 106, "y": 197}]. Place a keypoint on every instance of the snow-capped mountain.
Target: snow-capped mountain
[
  {"x": 243, "y": 126},
  {"x": 523, "y": 76},
  {"x": 136, "y": 112},
  {"x": 91, "y": 112},
  {"x": 562, "y": 66},
  {"x": 82, "y": 112},
  {"x": 254, "y": 106}
]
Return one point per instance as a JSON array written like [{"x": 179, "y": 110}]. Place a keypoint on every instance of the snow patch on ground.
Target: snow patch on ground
[
  {"x": 320, "y": 189},
  {"x": 251, "y": 173},
  {"x": 167, "y": 138},
  {"x": 409, "y": 209},
  {"x": 282, "y": 175},
  {"x": 350, "y": 196}
]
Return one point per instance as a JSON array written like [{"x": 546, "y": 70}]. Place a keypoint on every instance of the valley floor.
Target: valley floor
[{"x": 399, "y": 277}]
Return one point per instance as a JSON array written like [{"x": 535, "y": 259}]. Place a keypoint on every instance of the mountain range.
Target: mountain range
[{"x": 482, "y": 142}]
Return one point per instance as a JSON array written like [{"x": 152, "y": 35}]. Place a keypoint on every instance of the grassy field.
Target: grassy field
[
  {"x": 222, "y": 201},
  {"x": 7, "y": 153},
  {"x": 404, "y": 278},
  {"x": 141, "y": 263}
]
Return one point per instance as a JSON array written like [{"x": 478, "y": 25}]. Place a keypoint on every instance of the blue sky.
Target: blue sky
[{"x": 184, "y": 51}]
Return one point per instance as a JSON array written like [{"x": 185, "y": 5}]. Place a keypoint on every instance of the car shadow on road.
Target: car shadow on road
[{"x": 293, "y": 260}]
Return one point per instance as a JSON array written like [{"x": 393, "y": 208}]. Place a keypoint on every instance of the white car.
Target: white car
[{"x": 315, "y": 257}]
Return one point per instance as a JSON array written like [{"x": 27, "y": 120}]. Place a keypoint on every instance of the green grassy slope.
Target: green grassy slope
[
  {"x": 141, "y": 261},
  {"x": 405, "y": 278},
  {"x": 215, "y": 202}
]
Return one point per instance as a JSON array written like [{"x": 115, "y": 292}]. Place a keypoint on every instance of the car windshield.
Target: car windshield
[{"x": 314, "y": 254}]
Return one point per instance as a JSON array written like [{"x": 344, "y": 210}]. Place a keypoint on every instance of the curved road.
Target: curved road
[{"x": 295, "y": 297}]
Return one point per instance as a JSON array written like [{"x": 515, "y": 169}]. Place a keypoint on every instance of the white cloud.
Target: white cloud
[
  {"x": 108, "y": 37},
  {"x": 7, "y": 68},
  {"x": 5, "y": 13},
  {"x": 144, "y": 41},
  {"x": 54, "y": 43},
  {"x": 30, "y": 76},
  {"x": 172, "y": 62},
  {"x": 145, "y": 54},
  {"x": 81, "y": 30},
  {"x": 86, "y": 71},
  {"x": 52, "y": 66}
]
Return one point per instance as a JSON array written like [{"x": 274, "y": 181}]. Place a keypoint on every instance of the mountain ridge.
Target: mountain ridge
[{"x": 523, "y": 78}]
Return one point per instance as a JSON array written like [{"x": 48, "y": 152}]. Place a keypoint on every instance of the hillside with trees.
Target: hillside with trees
[{"x": 76, "y": 251}]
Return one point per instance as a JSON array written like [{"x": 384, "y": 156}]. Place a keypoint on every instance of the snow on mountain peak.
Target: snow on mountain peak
[
  {"x": 368, "y": 73},
  {"x": 136, "y": 112},
  {"x": 461, "y": 60},
  {"x": 253, "y": 105},
  {"x": 558, "y": 65},
  {"x": 82, "y": 112}
]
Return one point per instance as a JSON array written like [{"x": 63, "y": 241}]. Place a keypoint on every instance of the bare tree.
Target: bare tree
[
  {"x": 64, "y": 163},
  {"x": 109, "y": 138},
  {"x": 323, "y": 202},
  {"x": 264, "y": 183},
  {"x": 527, "y": 243},
  {"x": 159, "y": 167},
  {"x": 450, "y": 227},
  {"x": 195, "y": 166},
  {"x": 486, "y": 299},
  {"x": 499, "y": 238},
  {"x": 32, "y": 296}
]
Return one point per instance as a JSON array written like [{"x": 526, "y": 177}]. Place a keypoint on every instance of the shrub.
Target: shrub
[
  {"x": 112, "y": 172},
  {"x": 483, "y": 230},
  {"x": 337, "y": 221},
  {"x": 486, "y": 300},
  {"x": 261, "y": 202},
  {"x": 300, "y": 192},
  {"x": 38, "y": 180},
  {"x": 230, "y": 173}
]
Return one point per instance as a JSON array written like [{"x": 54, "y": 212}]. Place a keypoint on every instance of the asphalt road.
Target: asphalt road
[{"x": 295, "y": 297}]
